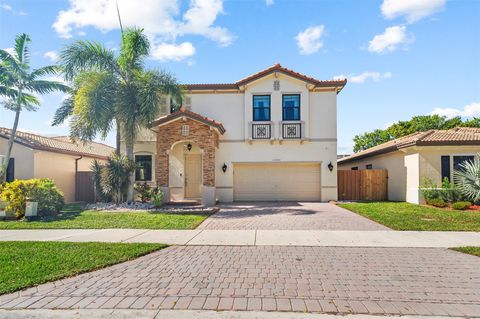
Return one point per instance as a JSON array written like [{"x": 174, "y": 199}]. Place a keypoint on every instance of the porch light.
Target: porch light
[
  {"x": 189, "y": 147},
  {"x": 330, "y": 166},
  {"x": 224, "y": 167}
]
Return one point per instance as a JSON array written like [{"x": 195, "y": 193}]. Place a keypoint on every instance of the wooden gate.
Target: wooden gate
[
  {"x": 84, "y": 189},
  {"x": 368, "y": 184}
]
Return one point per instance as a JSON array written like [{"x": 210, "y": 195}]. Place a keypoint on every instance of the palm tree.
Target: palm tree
[
  {"x": 113, "y": 89},
  {"x": 18, "y": 86},
  {"x": 467, "y": 179}
]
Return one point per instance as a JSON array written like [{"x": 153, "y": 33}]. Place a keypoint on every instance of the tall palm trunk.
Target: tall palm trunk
[
  {"x": 4, "y": 167},
  {"x": 118, "y": 137},
  {"x": 131, "y": 178}
]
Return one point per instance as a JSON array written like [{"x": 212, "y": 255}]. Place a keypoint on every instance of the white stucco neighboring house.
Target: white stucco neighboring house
[
  {"x": 416, "y": 158},
  {"x": 57, "y": 158},
  {"x": 270, "y": 136}
]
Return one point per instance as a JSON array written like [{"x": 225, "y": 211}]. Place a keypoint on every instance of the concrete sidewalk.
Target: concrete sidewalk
[
  {"x": 252, "y": 237},
  {"x": 173, "y": 314}
]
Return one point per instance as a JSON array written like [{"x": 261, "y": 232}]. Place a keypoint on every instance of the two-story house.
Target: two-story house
[{"x": 269, "y": 137}]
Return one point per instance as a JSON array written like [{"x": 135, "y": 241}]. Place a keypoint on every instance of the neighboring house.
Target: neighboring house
[
  {"x": 412, "y": 159},
  {"x": 57, "y": 158},
  {"x": 270, "y": 136}
]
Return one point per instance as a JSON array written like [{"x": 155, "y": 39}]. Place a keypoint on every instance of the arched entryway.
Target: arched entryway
[
  {"x": 185, "y": 171},
  {"x": 186, "y": 144}
]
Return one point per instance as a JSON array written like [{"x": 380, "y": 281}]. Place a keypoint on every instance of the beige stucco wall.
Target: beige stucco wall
[
  {"x": 24, "y": 163},
  {"x": 394, "y": 163},
  {"x": 61, "y": 169},
  {"x": 430, "y": 160}
]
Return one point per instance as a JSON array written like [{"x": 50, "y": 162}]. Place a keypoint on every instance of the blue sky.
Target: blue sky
[{"x": 402, "y": 57}]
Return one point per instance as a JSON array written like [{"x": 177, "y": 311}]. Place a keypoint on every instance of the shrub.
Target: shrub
[
  {"x": 144, "y": 191},
  {"x": 49, "y": 197},
  {"x": 467, "y": 179},
  {"x": 461, "y": 205},
  {"x": 447, "y": 192},
  {"x": 157, "y": 196},
  {"x": 17, "y": 193},
  {"x": 100, "y": 195},
  {"x": 111, "y": 179},
  {"x": 437, "y": 202}
]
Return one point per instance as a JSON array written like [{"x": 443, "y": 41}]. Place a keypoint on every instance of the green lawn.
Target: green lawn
[
  {"x": 26, "y": 264},
  {"x": 469, "y": 250},
  {"x": 406, "y": 216},
  {"x": 72, "y": 216}
]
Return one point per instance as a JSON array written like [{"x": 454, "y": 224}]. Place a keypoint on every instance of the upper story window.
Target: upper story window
[
  {"x": 291, "y": 107},
  {"x": 261, "y": 107},
  {"x": 369, "y": 166},
  {"x": 143, "y": 171}
]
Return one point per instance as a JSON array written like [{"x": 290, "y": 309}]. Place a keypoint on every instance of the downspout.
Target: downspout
[{"x": 76, "y": 177}]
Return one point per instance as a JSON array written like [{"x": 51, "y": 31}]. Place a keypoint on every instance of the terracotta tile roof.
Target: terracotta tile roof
[
  {"x": 456, "y": 136},
  {"x": 189, "y": 114},
  {"x": 59, "y": 144},
  {"x": 275, "y": 68}
]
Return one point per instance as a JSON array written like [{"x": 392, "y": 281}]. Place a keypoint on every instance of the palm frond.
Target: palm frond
[
  {"x": 467, "y": 179},
  {"x": 94, "y": 102},
  {"x": 64, "y": 111},
  {"x": 8, "y": 92},
  {"x": 46, "y": 70},
  {"x": 152, "y": 86},
  {"x": 84, "y": 56},
  {"x": 21, "y": 48},
  {"x": 135, "y": 48},
  {"x": 10, "y": 63},
  {"x": 44, "y": 86}
]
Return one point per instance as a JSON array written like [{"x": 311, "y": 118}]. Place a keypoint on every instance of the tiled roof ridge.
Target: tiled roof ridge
[
  {"x": 425, "y": 138},
  {"x": 42, "y": 142},
  {"x": 192, "y": 115},
  {"x": 276, "y": 67}
]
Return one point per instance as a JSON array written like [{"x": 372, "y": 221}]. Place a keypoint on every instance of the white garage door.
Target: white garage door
[{"x": 276, "y": 182}]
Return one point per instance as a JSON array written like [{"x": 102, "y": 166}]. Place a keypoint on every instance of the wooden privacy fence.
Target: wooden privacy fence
[
  {"x": 84, "y": 189},
  {"x": 368, "y": 184}
]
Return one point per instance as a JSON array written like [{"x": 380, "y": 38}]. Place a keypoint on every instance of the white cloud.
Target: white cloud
[
  {"x": 9, "y": 8},
  {"x": 390, "y": 40},
  {"x": 469, "y": 110},
  {"x": 362, "y": 77},
  {"x": 52, "y": 55},
  {"x": 165, "y": 51},
  {"x": 6, "y": 7},
  {"x": 412, "y": 10},
  {"x": 163, "y": 21},
  {"x": 310, "y": 40},
  {"x": 269, "y": 3}
]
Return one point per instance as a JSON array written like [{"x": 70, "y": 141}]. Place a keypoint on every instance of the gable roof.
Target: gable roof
[
  {"x": 59, "y": 144},
  {"x": 456, "y": 136},
  {"x": 191, "y": 115},
  {"x": 275, "y": 68}
]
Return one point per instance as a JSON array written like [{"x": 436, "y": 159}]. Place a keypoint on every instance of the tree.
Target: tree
[
  {"x": 399, "y": 129},
  {"x": 19, "y": 84},
  {"x": 113, "y": 89}
]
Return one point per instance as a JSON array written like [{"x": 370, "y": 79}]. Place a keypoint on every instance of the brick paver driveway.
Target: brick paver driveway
[
  {"x": 425, "y": 281},
  {"x": 287, "y": 216}
]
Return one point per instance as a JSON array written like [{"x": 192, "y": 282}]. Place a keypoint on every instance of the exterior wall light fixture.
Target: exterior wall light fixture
[
  {"x": 330, "y": 166},
  {"x": 189, "y": 147},
  {"x": 224, "y": 167}
]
